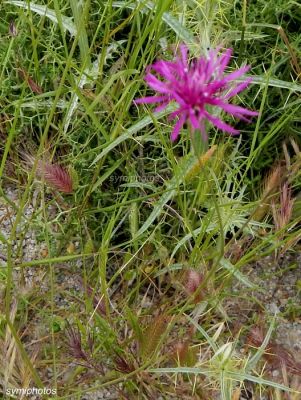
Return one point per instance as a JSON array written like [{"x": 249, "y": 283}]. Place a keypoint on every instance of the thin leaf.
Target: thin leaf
[
  {"x": 182, "y": 32},
  {"x": 171, "y": 190},
  {"x": 262, "y": 80},
  {"x": 42, "y": 10},
  {"x": 133, "y": 321},
  {"x": 260, "y": 351},
  {"x": 238, "y": 275},
  {"x": 132, "y": 130},
  {"x": 83, "y": 42},
  {"x": 204, "y": 333},
  {"x": 237, "y": 376}
]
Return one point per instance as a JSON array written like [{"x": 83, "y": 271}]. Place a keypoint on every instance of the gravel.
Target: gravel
[{"x": 280, "y": 280}]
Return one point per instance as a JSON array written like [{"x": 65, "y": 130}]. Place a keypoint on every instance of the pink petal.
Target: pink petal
[
  {"x": 194, "y": 121},
  {"x": 221, "y": 124},
  {"x": 198, "y": 84},
  {"x": 178, "y": 98},
  {"x": 209, "y": 68},
  {"x": 174, "y": 114},
  {"x": 236, "y": 74},
  {"x": 156, "y": 84},
  {"x": 224, "y": 60},
  {"x": 176, "y": 130},
  {"x": 240, "y": 87},
  {"x": 166, "y": 69},
  {"x": 237, "y": 110},
  {"x": 162, "y": 106},
  {"x": 217, "y": 85},
  {"x": 184, "y": 51},
  {"x": 150, "y": 99}
]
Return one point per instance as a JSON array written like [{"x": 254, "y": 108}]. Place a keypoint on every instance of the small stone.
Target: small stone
[{"x": 274, "y": 308}]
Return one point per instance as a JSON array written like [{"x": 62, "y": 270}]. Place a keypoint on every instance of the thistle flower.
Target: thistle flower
[{"x": 197, "y": 87}]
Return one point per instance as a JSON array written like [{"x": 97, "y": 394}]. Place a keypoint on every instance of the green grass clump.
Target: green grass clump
[{"x": 140, "y": 243}]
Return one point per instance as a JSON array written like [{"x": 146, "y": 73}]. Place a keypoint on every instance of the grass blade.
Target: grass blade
[{"x": 42, "y": 10}]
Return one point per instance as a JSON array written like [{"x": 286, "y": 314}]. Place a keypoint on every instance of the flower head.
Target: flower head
[{"x": 196, "y": 87}]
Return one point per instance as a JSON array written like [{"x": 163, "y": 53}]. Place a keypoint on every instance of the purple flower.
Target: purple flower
[{"x": 197, "y": 87}]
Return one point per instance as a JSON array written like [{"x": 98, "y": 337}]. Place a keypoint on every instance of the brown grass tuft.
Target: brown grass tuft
[
  {"x": 153, "y": 336},
  {"x": 282, "y": 215},
  {"x": 122, "y": 365},
  {"x": 271, "y": 187},
  {"x": 74, "y": 343}
]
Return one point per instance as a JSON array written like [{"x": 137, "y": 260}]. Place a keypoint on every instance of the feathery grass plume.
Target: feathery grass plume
[
  {"x": 283, "y": 213},
  {"x": 54, "y": 175},
  {"x": 180, "y": 352},
  {"x": 30, "y": 82},
  {"x": 192, "y": 281},
  {"x": 153, "y": 335},
  {"x": 12, "y": 30},
  {"x": 271, "y": 187},
  {"x": 74, "y": 343},
  {"x": 122, "y": 365},
  {"x": 15, "y": 369},
  {"x": 98, "y": 303},
  {"x": 76, "y": 349},
  {"x": 184, "y": 354},
  {"x": 201, "y": 161}
]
